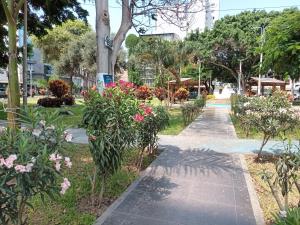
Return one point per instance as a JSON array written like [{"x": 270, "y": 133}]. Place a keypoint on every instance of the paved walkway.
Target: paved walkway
[{"x": 192, "y": 182}]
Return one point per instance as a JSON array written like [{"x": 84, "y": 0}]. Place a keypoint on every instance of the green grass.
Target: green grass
[
  {"x": 68, "y": 209},
  {"x": 255, "y": 134},
  {"x": 176, "y": 123}
]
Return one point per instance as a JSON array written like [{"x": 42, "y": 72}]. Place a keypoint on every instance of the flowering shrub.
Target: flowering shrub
[
  {"x": 181, "y": 94},
  {"x": 59, "y": 88},
  {"x": 31, "y": 163},
  {"x": 143, "y": 93},
  {"x": 148, "y": 123},
  {"x": 160, "y": 93},
  {"x": 269, "y": 115},
  {"x": 200, "y": 102},
  {"x": 108, "y": 119}
]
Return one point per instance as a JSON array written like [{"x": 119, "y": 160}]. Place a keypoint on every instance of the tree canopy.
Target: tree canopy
[{"x": 282, "y": 47}]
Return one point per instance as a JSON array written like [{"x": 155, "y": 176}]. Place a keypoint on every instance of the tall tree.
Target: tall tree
[
  {"x": 133, "y": 15},
  {"x": 282, "y": 47},
  {"x": 41, "y": 14},
  {"x": 233, "y": 38}
]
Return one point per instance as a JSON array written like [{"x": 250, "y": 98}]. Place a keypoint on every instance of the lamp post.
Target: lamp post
[
  {"x": 24, "y": 78},
  {"x": 199, "y": 80},
  {"x": 262, "y": 33}
]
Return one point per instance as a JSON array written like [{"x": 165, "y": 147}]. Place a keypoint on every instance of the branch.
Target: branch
[
  {"x": 225, "y": 67},
  {"x": 19, "y": 6},
  {"x": 7, "y": 12}
]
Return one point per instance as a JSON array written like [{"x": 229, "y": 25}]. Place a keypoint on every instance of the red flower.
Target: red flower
[
  {"x": 138, "y": 118},
  {"x": 94, "y": 88},
  {"x": 148, "y": 110}
]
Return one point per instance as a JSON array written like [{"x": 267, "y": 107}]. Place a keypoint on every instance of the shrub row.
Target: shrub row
[
  {"x": 191, "y": 111},
  {"x": 56, "y": 102}
]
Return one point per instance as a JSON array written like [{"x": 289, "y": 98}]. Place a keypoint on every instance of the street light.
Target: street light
[
  {"x": 262, "y": 34},
  {"x": 199, "y": 80}
]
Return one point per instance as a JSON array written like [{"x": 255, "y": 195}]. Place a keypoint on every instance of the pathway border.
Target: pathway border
[{"x": 257, "y": 211}]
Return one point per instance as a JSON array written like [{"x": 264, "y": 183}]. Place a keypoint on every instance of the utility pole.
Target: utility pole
[
  {"x": 25, "y": 56},
  {"x": 199, "y": 81},
  {"x": 239, "y": 78},
  {"x": 262, "y": 33},
  {"x": 103, "y": 39}
]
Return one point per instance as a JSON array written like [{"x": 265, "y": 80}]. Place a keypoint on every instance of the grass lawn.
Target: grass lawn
[
  {"x": 74, "y": 207},
  {"x": 176, "y": 123},
  {"x": 266, "y": 199},
  {"x": 255, "y": 134}
]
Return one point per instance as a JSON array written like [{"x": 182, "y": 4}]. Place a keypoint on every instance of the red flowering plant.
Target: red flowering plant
[
  {"x": 148, "y": 122},
  {"x": 31, "y": 164},
  {"x": 108, "y": 119},
  {"x": 160, "y": 93},
  {"x": 143, "y": 93}
]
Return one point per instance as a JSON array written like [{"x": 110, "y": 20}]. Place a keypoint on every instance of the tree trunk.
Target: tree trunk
[
  {"x": 126, "y": 24},
  {"x": 264, "y": 142},
  {"x": 13, "y": 79},
  {"x": 292, "y": 87},
  {"x": 102, "y": 31}
]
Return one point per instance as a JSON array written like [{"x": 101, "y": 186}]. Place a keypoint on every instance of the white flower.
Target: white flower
[
  {"x": 29, "y": 167},
  {"x": 57, "y": 166},
  {"x": 50, "y": 128},
  {"x": 68, "y": 136},
  {"x": 68, "y": 162},
  {"x": 9, "y": 162},
  {"x": 20, "y": 169},
  {"x": 36, "y": 132},
  {"x": 246, "y": 104},
  {"x": 42, "y": 122},
  {"x": 52, "y": 157}
]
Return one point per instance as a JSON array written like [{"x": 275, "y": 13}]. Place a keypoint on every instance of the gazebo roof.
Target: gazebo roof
[{"x": 267, "y": 81}]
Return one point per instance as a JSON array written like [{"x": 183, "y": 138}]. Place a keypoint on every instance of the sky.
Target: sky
[{"x": 227, "y": 7}]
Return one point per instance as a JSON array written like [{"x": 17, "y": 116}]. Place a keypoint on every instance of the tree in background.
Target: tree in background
[
  {"x": 282, "y": 47},
  {"x": 43, "y": 15},
  {"x": 233, "y": 38}
]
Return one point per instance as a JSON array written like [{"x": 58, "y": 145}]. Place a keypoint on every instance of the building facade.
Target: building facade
[{"x": 198, "y": 16}]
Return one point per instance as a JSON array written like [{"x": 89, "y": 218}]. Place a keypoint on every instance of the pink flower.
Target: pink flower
[
  {"x": 65, "y": 186},
  {"x": 148, "y": 110},
  {"x": 111, "y": 85},
  {"x": 52, "y": 157},
  {"x": 138, "y": 118},
  {"x": 20, "y": 169},
  {"x": 9, "y": 162},
  {"x": 57, "y": 166},
  {"x": 68, "y": 162}
]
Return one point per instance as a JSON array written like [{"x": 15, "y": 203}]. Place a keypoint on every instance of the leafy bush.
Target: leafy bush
[
  {"x": 59, "y": 88},
  {"x": 181, "y": 94},
  {"x": 237, "y": 103},
  {"x": 160, "y": 93},
  {"x": 148, "y": 123},
  {"x": 292, "y": 218},
  {"x": 270, "y": 115},
  {"x": 143, "y": 93},
  {"x": 68, "y": 100},
  {"x": 189, "y": 112},
  {"x": 31, "y": 164},
  {"x": 108, "y": 119},
  {"x": 200, "y": 102},
  {"x": 50, "y": 102}
]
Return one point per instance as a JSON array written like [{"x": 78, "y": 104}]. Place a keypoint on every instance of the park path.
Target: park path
[{"x": 191, "y": 182}]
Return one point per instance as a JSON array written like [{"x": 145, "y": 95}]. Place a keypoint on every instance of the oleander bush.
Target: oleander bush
[
  {"x": 149, "y": 121},
  {"x": 108, "y": 119},
  {"x": 200, "y": 102},
  {"x": 292, "y": 217},
  {"x": 31, "y": 164},
  {"x": 270, "y": 115}
]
